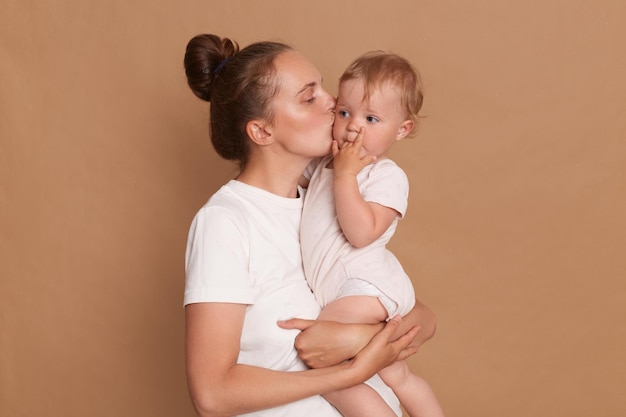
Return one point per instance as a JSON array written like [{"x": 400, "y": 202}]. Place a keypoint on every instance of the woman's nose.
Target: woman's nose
[{"x": 331, "y": 102}]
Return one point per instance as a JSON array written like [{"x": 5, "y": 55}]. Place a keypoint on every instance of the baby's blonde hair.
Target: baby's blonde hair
[{"x": 378, "y": 68}]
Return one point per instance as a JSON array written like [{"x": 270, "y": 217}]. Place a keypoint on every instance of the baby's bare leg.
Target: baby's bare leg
[
  {"x": 414, "y": 393},
  {"x": 360, "y": 400},
  {"x": 355, "y": 309}
]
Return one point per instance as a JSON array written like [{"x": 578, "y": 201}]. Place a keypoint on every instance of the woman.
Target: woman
[{"x": 270, "y": 113}]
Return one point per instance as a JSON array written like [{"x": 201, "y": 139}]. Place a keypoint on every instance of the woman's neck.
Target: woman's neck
[{"x": 279, "y": 179}]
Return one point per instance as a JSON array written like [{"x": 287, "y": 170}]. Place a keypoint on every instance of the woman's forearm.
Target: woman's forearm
[{"x": 243, "y": 389}]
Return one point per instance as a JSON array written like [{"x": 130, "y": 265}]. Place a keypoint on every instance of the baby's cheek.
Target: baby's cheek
[{"x": 336, "y": 132}]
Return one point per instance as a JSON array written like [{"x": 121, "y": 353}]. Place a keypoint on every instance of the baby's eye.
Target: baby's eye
[
  {"x": 372, "y": 119},
  {"x": 343, "y": 113}
]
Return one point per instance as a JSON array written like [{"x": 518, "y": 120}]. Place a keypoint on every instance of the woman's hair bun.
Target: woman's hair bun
[{"x": 205, "y": 57}]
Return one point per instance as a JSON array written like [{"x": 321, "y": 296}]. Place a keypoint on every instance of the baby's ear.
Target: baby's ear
[
  {"x": 258, "y": 132},
  {"x": 405, "y": 129}
]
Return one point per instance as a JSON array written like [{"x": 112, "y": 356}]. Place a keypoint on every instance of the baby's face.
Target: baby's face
[{"x": 382, "y": 117}]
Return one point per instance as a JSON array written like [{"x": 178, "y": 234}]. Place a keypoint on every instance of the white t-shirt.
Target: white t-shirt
[
  {"x": 329, "y": 259},
  {"x": 243, "y": 247}
]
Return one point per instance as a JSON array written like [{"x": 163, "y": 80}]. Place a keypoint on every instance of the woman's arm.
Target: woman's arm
[
  {"x": 326, "y": 343},
  {"x": 219, "y": 386}
]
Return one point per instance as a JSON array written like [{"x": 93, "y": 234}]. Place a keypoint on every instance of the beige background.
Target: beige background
[{"x": 515, "y": 234}]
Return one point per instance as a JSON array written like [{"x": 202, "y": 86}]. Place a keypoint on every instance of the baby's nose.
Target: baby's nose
[{"x": 352, "y": 126}]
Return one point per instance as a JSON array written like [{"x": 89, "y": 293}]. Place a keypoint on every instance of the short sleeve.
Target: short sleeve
[
  {"x": 216, "y": 260},
  {"x": 387, "y": 185}
]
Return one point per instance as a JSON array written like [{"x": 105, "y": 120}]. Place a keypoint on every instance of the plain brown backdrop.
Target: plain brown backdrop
[{"x": 515, "y": 233}]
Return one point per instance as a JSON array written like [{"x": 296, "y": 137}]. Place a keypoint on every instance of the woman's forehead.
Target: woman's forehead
[{"x": 295, "y": 73}]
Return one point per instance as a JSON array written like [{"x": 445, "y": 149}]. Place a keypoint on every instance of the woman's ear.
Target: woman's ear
[
  {"x": 405, "y": 129},
  {"x": 258, "y": 132}
]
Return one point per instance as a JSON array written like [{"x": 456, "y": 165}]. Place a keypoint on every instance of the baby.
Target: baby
[{"x": 354, "y": 200}]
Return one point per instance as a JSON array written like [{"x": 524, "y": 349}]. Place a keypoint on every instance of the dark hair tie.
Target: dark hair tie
[{"x": 220, "y": 66}]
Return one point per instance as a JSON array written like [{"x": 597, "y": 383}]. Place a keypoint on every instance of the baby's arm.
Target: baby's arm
[{"x": 362, "y": 222}]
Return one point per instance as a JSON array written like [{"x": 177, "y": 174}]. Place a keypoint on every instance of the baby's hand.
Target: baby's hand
[{"x": 347, "y": 159}]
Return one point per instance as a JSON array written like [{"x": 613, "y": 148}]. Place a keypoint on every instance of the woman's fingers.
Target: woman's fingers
[
  {"x": 407, "y": 349},
  {"x": 382, "y": 351},
  {"x": 387, "y": 333},
  {"x": 295, "y": 323},
  {"x": 403, "y": 342}
]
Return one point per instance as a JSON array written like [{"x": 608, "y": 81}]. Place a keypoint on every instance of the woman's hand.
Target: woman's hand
[
  {"x": 326, "y": 343},
  {"x": 382, "y": 351}
]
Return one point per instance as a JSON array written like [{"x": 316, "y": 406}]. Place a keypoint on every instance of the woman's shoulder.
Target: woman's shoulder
[{"x": 222, "y": 205}]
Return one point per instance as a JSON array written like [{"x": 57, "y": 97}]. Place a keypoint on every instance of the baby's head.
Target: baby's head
[
  {"x": 384, "y": 70},
  {"x": 382, "y": 93}
]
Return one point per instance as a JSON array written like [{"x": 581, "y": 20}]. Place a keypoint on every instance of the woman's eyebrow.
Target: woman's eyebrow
[{"x": 306, "y": 86}]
